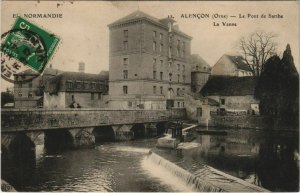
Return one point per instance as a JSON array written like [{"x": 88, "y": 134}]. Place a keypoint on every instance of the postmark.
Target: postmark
[{"x": 26, "y": 49}]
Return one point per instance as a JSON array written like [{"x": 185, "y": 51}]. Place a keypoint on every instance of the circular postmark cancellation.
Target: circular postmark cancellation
[{"x": 25, "y": 51}]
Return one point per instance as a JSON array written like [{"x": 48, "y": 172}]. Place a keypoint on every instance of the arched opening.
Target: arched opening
[
  {"x": 139, "y": 131},
  {"x": 18, "y": 160},
  {"x": 57, "y": 140},
  {"x": 160, "y": 128},
  {"x": 104, "y": 134}
]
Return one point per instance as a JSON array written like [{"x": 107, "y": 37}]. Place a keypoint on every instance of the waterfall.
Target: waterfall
[{"x": 166, "y": 171}]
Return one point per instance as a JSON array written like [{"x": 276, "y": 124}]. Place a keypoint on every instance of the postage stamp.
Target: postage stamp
[{"x": 26, "y": 47}]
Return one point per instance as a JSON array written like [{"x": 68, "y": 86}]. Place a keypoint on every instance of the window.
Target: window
[
  {"x": 161, "y": 47},
  {"x": 125, "y": 61},
  {"x": 161, "y": 90},
  {"x": 73, "y": 98},
  {"x": 129, "y": 103},
  {"x": 161, "y": 63},
  {"x": 125, "y": 45},
  {"x": 170, "y": 65},
  {"x": 182, "y": 104},
  {"x": 170, "y": 51},
  {"x": 178, "y": 90},
  {"x": 178, "y": 104},
  {"x": 125, "y": 89},
  {"x": 92, "y": 96},
  {"x": 69, "y": 84},
  {"x": 183, "y": 78},
  {"x": 30, "y": 84},
  {"x": 154, "y": 34},
  {"x": 154, "y": 63},
  {"x": 161, "y": 36},
  {"x": 197, "y": 67},
  {"x": 125, "y": 33},
  {"x": 154, "y": 46},
  {"x": 161, "y": 75},
  {"x": 99, "y": 96},
  {"x": 199, "y": 112},
  {"x": 154, "y": 89},
  {"x": 178, "y": 77},
  {"x": 93, "y": 85},
  {"x": 78, "y": 84},
  {"x": 154, "y": 74},
  {"x": 30, "y": 95},
  {"x": 178, "y": 67},
  {"x": 125, "y": 74},
  {"x": 20, "y": 94},
  {"x": 170, "y": 76},
  {"x": 223, "y": 101},
  {"x": 178, "y": 43}
]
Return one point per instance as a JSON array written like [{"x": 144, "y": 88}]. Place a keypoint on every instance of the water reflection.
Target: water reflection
[
  {"x": 267, "y": 159},
  {"x": 108, "y": 167}
]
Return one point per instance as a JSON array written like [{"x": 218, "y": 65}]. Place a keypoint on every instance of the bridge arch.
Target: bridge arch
[
  {"x": 139, "y": 130},
  {"x": 161, "y": 127},
  {"x": 58, "y": 139},
  {"x": 104, "y": 134}
]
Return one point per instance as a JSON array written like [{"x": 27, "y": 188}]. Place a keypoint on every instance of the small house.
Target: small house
[
  {"x": 76, "y": 90},
  {"x": 234, "y": 94},
  {"x": 229, "y": 65}
]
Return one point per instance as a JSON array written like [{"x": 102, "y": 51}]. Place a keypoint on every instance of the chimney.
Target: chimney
[{"x": 81, "y": 67}]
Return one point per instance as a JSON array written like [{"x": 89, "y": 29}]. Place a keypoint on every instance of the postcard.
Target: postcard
[{"x": 149, "y": 96}]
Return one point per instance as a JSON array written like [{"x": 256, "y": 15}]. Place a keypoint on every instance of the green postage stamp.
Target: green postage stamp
[{"x": 26, "y": 46}]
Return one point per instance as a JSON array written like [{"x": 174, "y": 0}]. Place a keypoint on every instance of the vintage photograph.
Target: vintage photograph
[{"x": 149, "y": 96}]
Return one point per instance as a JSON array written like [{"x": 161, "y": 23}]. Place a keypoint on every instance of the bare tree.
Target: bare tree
[{"x": 257, "y": 49}]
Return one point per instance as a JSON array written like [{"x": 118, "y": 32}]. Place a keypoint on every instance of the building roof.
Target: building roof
[
  {"x": 134, "y": 16},
  {"x": 202, "y": 64},
  {"x": 229, "y": 86},
  {"x": 57, "y": 83},
  {"x": 47, "y": 71},
  {"x": 138, "y": 15},
  {"x": 239, "y": 62}
]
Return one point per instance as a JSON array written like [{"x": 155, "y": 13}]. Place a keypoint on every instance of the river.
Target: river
[{"x": 267, "y": 159}]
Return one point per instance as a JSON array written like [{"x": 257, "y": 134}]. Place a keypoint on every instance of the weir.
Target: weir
[{"x": 206, "y": 179}]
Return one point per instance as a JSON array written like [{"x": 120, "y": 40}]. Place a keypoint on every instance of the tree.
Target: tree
[
  {"x": 257, "y": 49},
  {"x": 6, "y": 97},
  {"x": 278, "y": 88}
]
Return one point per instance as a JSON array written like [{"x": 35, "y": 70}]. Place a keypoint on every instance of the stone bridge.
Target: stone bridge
[{"x": 73, "y": 128}]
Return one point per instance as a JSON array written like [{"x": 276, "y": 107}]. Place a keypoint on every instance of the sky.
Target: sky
[{"x": 85, "y": 35}]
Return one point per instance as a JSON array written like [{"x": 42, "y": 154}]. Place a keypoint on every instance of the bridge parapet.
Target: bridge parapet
[{"x": 41, "y": 119}]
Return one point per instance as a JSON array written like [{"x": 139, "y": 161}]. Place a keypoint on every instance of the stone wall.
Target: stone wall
[
  {"x": 245, "y": 121},
  {"x": 40, "y": 119}
]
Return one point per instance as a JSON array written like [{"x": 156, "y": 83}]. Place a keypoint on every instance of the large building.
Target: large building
[{"x": 149, "y": 62}]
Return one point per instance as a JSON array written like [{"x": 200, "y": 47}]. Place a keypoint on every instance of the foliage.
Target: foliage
[
  {"x": 278, "y": 88},
  {"x": 257, "y": 49},
  {"x": 6, "y": 97}
]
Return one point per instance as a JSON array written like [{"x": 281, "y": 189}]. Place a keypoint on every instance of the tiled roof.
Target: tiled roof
[
  {"x": 196, "y": 59},
  {"x": 57, "y": 83},
  {"x": 229, "y": 86},
  {"x": 133, "y": 16},
  {"x": 47, "y": 71},
  {"x": 239, "y": 62},
  {"x": 141, "y": 15}
]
